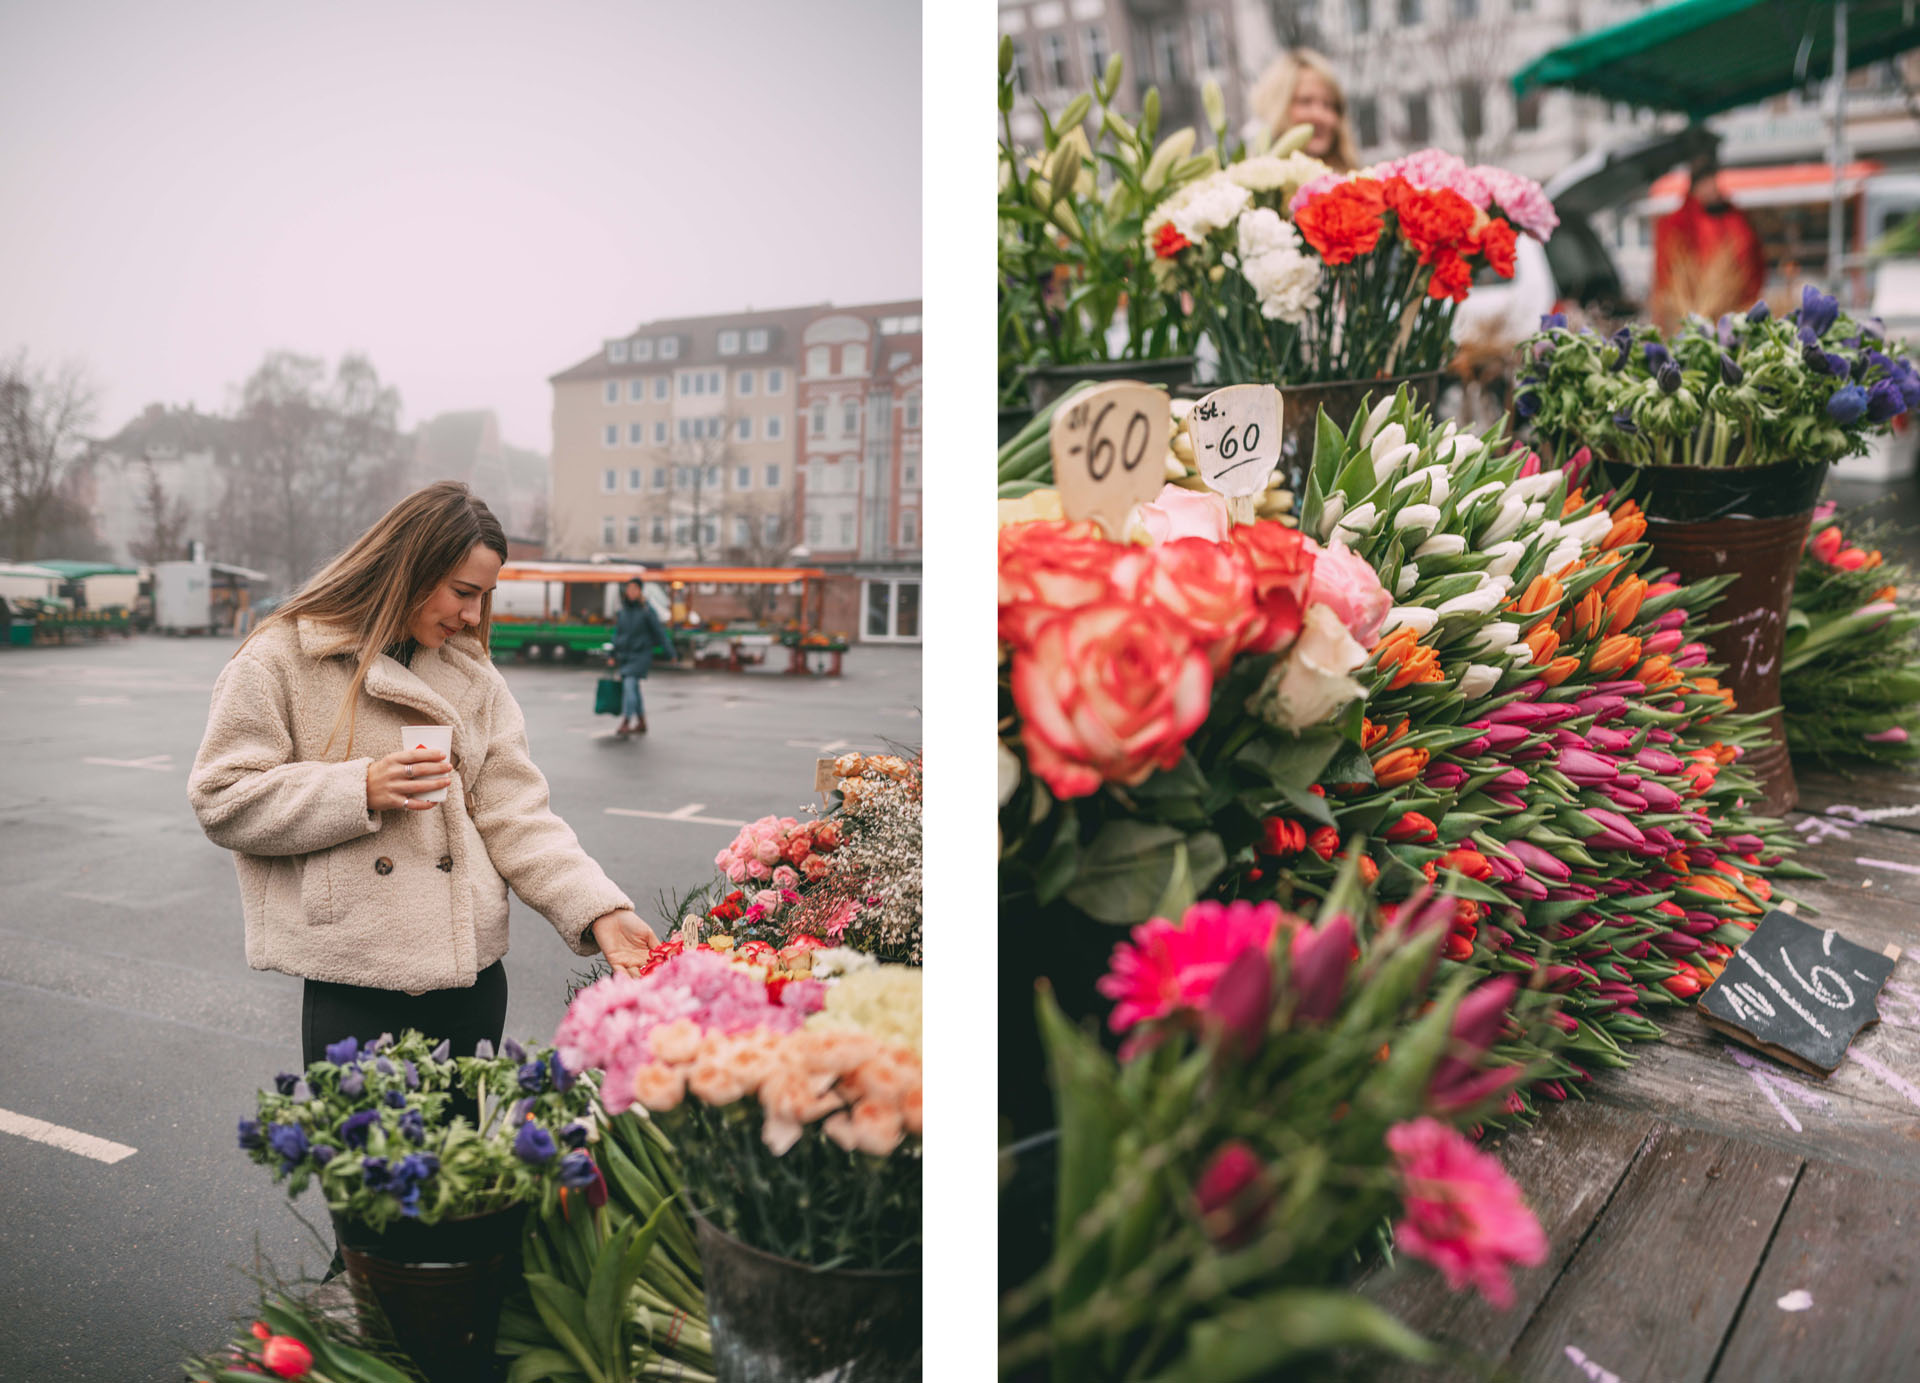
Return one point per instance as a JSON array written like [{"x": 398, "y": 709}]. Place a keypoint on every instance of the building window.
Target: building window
[
  {"x": 853, "y": 360},
  {"x": 1473, "y": 110},
  {"x": 819, "y": 361},
  {"x": 609, "y": 481},
  {"x": 1093, "y": 41},
  {"x": 606, "y": 531},
  {"x": 613, "y": 391},
  {"x": 1410, "y": 12},
  {"x": 770, "y": 529},
  {"x": 669, "y": 347},
  {"x": 643, "y": 349},
  {"x": 616, "y": 352},
  {"x": 1419, "y": 122},
  {"x": 743, "y": 429},
  {"x": 849, "y": 477},
  {"x": 909, "y": 529},
  {"x": 659, "y": 477},
  {"x": 636, "y": 390},
  {"x": 743, "y": 477},
  {"x": 1526, "y": 112},
  {"x": 1366, "y": 121},
  {"x": 846, "y": 530},
  {"x": 773, "y": 476},
  {"x": 742, "y": 532},
  {"x": 716, "y": 381},
  {"x": 611, "y": 437},
  {"x": 1169, "y": 53},
  {"x": 660, "y": 432},
  {"x": 774, "y": 427},
  {"x": 1360, "y": 15},
  {"x": 882, "y": 410},
  {"x": 1466, "y": 9},
  {"x": 633, "y": 478},
  {"x": 682, "y": 477},
  {"x": 713, "y": 477},
  {"x": 636, "y": 433},
  {"x": 1053, "y": 61},
  {"x": 813, "y": 529},
  {"x": 743, "y": 383},
  {"x": 849, "y": 418},
  {"x": 686, "y": 385},
  {"x": 776, "y": 381},
  {"x": 910, "y": 469},
  {"x": 659, "y": 388},
  {"x": 633, "y": 530},
  {"x": 757, "y": 340},
  {"x": 686, "y": 430},
  {"x": 729, "y": 343},
  {"x": 913, "y": 411},
  {"x": 659, "y": 529},
  {"x": 682, "y": 532},
  {"x": 819, "y": 420},
  {"x": 1213, "y": 40},
  {"x": 709, "y": 531},
  {"x": 1022, "y": 77}
]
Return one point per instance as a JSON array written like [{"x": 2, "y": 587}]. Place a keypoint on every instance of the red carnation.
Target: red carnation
[
  {"x": 1344, "y": 222},
  {"x": 1168, "y": 242},
  {"x": 1434, "y": 221},
  {"x": 1451, "y": 278},
  {"x": 1497, "y": 240}
]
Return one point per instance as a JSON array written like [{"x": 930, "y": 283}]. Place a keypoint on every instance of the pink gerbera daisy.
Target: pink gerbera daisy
[
  {"x": 1172, "y": 967},
  {"x": 1464, "y": 1214}
]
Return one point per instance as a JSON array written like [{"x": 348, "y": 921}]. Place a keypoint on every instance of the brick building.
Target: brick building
[{"x": 683, "y": 442}]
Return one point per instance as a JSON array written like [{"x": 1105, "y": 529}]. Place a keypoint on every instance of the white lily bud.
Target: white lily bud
[
  {"x": 1418, "y": 518},
  {"x": 1442, "y": 545},
  {"x": 1409, "y": 578},
  {"x": 1481, "y": 602},
  {"x": 1387, "y": 464},
  {"x": 1506, "y": 556},
  {"x": 1505, "y": 523},
  {"x": 1375, "y": 416},
  {"x": 1496, "y": 635},
  {"x": 1478, "y": 680},
  {"x": 1415, "y": 617}
]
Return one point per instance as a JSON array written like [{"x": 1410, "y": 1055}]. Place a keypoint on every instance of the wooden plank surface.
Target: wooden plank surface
[
  {"x": 1870, "y": 790},
  {"x": 1570, "y": 1163},
  {"x": 1851, "y": 1242},
  {"x": 1653, "y": 1290}
]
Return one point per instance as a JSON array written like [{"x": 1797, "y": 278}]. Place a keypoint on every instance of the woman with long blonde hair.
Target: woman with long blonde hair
[
  {"x": 358, "y": 873},
  {"x": 1300, "y": 87}
]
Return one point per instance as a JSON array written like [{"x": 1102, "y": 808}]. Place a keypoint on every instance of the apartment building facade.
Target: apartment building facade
[{"x": 682, "y": 442}]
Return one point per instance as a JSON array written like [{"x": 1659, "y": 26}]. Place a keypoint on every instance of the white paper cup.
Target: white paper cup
[{"x": 435, "y": 737}]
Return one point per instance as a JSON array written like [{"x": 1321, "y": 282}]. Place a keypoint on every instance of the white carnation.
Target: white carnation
[
  {"x": 1287, "y": 281},
  {"x": 1200, "y": 208}
]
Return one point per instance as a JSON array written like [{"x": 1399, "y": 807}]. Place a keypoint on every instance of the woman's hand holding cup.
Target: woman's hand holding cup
[{"x": 396, "y": 780}]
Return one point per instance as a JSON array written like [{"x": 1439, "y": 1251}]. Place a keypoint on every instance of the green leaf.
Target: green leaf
[
  {"x": 565, "y": 1314},
  {"x": 1253, "y": 1340},
  {"x": 1125, "y": 871},
  {"x": 543, "y": 1366},
  {"x": 603, "y": 1308}
]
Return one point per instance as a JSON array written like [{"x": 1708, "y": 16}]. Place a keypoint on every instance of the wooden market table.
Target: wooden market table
[{"x": 1697, "y": 1190}]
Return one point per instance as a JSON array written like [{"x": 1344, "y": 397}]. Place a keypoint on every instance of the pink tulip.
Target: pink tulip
[
  {"x": 1241, "y": 1000},
  {"x": 1539, "y": 861},
  {"x": 1664, "y": 642},
  {"x": 1587, "y": 769},
  {"x": 1320, "y": 961},
  {"x": 1228, "y": 1194}
]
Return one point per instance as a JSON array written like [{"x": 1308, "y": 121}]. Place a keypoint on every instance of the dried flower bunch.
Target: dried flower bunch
[{"x": 869, "y": 896}]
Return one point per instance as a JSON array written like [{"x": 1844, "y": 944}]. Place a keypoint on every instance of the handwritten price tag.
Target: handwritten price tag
[
  {"x": 1109, "y": 453},
  {"x": 1236, "y": 438}
]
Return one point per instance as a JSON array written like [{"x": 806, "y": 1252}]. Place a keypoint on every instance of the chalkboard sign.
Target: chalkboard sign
[{"x": 1799, "y": 993}]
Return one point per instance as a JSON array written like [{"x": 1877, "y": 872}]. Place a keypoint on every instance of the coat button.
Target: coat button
[
  {"x": 446, "y": 864},
  {"x": 383, "y": 865}
]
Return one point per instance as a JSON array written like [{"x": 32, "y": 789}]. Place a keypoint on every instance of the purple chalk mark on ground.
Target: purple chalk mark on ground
[
  {"x": 1772, "y": 1084},
  {"x": 1592, "y": 1370},
  {"x": 1894, "y": 865},
  {"x": 1891, "y": 1077}
]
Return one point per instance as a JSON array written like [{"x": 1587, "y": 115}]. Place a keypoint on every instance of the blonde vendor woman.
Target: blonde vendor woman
[
  {"x": 1299, "y": 88},
  {"x": 392, "y": 905}
]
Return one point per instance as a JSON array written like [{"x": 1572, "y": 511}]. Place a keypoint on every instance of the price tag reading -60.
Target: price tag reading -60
[
  {"x": 1109, "y": 452},
  {"x": 1236, "y": 438}
]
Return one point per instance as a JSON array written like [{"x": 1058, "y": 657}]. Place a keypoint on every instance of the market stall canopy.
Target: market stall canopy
[
  {"x": 575, "y": 571},
  {"x": 36, "y": 573},
  {"x": 738, "y": 576},
  {"x": 241, "y": 573},
  {"x": 80, "y": 571},
  {"x": 1705, "y": 56},
  {"x": 1787, "y": 184}
]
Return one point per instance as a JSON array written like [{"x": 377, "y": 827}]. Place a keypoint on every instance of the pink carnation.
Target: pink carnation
[
  {"x": 1521, "y": 198},
  {"x": 1168, "y": 968},
  {"x": 1316, "y": 187},
  {"x": 1464, "y": 1214},
  {"x": 1436, "y": 168}
]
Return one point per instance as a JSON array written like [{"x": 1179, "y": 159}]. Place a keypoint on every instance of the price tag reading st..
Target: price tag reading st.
[
  {"x": 1110, "y": 452},
  {"x": 1236, "y": 438}
]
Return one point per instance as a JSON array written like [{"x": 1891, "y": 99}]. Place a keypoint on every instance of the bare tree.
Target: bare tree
[
  {"x": 44, "y": 414},
  {"x": 163, "y": 521},
  {"x": 700, "y": 495},
  {"x": 769, "y": 540},
  {"x": 319, "y": 460}
]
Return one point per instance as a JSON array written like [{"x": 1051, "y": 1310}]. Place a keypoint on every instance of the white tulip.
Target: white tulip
[
  {"x": 1548, "y": 532},
  {"x": 1415, "y": 617},
  {"x": 1519, "y": 652},
  {"x": 1565, "y": 551},
  {"x": 1459, "y": 448},
  {"x": 1591, "y": 529},
  {"x": 1381, "y": 440},
  {"x": 1442, "y": 545},
  {"x": 1409, "y": 578},
  {"x": 1330, "y": 511},
  {"x": 1435, "y": 475},
  {"x": 1359, "y": 521},
  {"x": 1387, "y": 465},
  {"x": 1506, "y": 556},
  {"x": 1421, "y": 518},
  {"x": 1481, "y": 602},
  {"x": 1505, "y": 523},
  {"x": 1539, "y": 483},
  {"x": 1473, "y": 497},
  {"x": 1478, "y": 680},
  {"x": 1496, "y": 635}
]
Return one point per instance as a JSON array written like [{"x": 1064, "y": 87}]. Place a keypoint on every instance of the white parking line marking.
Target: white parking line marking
[
  {"x": 104, "y": 701},
  {"x": 682, "y": 813},
  {"x": 837, "y": 744},
  {"x": 159, "y": 763},
  {"x": 67, "y": 1139},
  {"x": 674, "y": 816}
]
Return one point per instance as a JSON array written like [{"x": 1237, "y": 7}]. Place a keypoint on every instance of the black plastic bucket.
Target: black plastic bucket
[
  {"x": 1048, "y": 382},
  {"x": 436, "y": 1289},
  {"x": 777, "y": 1321}
]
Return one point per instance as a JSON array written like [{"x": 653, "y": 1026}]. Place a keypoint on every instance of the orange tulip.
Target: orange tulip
[
  {"x": 1542, "y": 593},
  {"x": 1397, "y": 645},
  {"x": 1874, "y": 559},
  {"x": 1658, "y": 671},
  {"x": 1679, "y": 863},
  {"x": 1421, "y": 665},
  {"x": 1710, "y": 686},
  {"x": 1623, "y": 603},
  {"x": 1614, "y": 653},
  {"x": 1575, "y": 499},
  {"x": 1588, "y": 615},
  {"x": 1406, "y": 724},
  {"x": 1629, "y": 526},
  {"x": 1544, "y": 643},
  {"x": 1559, "y": 670},
  {"x": 1887, "y": 593},
  {"x": 1399, "y": 766},
  {"x": 1723, "y": 754},
  {"x": 1371, "y": 734}
]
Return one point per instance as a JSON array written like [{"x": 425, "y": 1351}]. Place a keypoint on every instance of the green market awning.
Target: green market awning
[{"x": 1701, "y": 57}]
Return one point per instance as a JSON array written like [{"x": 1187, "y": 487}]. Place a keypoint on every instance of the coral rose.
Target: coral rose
[
  {"x": 1046, "y": 567},
  {"x": 1108, "y": 693},
  {"x": 1208, "y": 585},
  {"x": 1282, "y": 561},
  {"x": 659, "y": 1087}
]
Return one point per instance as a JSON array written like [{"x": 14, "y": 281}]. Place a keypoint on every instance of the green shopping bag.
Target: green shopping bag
[{"x": 606, "y": 697}]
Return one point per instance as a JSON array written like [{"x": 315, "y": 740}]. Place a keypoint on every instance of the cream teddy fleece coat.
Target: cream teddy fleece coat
[{"x": 398, "y": 899}]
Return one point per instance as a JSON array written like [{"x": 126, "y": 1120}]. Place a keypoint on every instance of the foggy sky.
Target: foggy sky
[{"x": 473, "y": 194}]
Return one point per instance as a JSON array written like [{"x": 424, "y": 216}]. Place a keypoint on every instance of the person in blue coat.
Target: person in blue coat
[{"x": 637, "y": 631}]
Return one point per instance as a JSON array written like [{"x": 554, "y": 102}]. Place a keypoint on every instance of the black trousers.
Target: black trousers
[{"x": 329, "y": 1012}]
